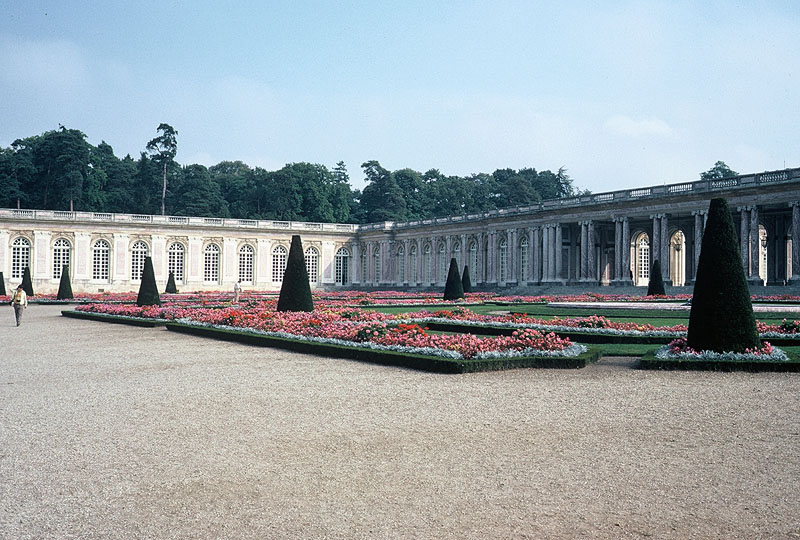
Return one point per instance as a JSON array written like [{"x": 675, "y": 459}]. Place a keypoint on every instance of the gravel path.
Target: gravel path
[{"x": 108, "y": 431}]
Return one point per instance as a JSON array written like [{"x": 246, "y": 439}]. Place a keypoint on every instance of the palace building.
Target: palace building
[{"x": 599, "y": 239}]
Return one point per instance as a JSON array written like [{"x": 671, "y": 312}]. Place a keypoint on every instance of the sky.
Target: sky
[{"x": 622, "y": 94}]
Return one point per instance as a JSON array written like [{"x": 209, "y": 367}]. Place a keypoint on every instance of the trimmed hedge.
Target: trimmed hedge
[
  {"x": 453, "y": 289},
  {"x": 295, "y": 289},
  {"x": 171, "y": 288},
  {"x": 115, "y": 319},
  {"x": 27, "y": 284},
  {"x": 649, "y": 361},
  {"x": 388, "y": 358},
  {"x": 2, "y": 285},
  {"x": 466, "y": 282},
  {"x": 64, "y": 286},
  {"x": 655, "y": 286},
  {"x": 148, "y": 290}
]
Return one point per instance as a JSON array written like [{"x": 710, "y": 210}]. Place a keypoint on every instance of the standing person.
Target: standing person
[
  {"x": 19, "y": 301},
  {"x": 236, "y": 290}
]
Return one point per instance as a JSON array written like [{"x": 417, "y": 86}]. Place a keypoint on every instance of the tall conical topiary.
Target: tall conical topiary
[
  {"x": 171, "y": 288},
  {"x": 466, "y": 283},
  {"x": 64, "y": 286},
  {"x": 148, "y": 290},
  {"x": 27, "y": 284},
  {"x": 453, "y": 289},
  {"x": 722, "y": 317},
  {"x": 295, "y": 289},
  {"x": 2, "y": 285},
  {"x": 656, "y": 284}
]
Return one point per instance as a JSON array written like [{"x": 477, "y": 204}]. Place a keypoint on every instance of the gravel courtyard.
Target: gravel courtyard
[{"x": 109, "y": 431}]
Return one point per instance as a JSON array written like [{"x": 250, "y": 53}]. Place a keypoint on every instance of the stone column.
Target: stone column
[
  {"x": 551, "y": 255},
  {"x": 356, "y": 277},
  {"x": 795, "y": 242},
  {"x": 626, "y": 251},
  {"x": 655, "y": 241},
  {"x": 592, "y": 274},
  {"x": 617, "y": 249},
  {"x": 755, "y": 244},
  {"x": 464, "y": 253},
  {"x": 584, "y": 266},
  {"x": 665, "y": 245},
  {"x": 491, "y": 255},
  {"x": 744, "y": 237},
  {"x": 536, "y": 239},
  {"x": 513, "y": 270},
  {"x": 558, "y": 248},
  {"x": 545, "y": 251}
]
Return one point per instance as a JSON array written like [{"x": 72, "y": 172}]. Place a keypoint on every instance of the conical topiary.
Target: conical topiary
[
  {"x": 453, "y": 289},
  {"x": 64, "y": 286},
  {"x": 148, "y": 290},
  {"x": 2, "y": 285},
  {"x": 656, "y": 284},
  {"x": 722, "y": 317},
  {"x": 27, "y": 284},
  {"x": 171, "y": 288},
  {"x": 466, "y": 283},
  {"x": 295, "y": 289}
]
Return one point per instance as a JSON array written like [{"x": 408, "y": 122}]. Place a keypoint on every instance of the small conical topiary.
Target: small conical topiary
[
  {"x": 2, "y": 285},
  {"x": 148, "y": 290},
  {"x": 722, "y": 317},
  {"x": 466, "y": 283},
  {"x": 453, "y": 289},
  {"x": 171, "y": 288},
  {"x": 64, "y": 286},
  {"x": 27, "y": 284},
  {"x": 656, "y": 284},
  {"x": 295, "y": 289}
]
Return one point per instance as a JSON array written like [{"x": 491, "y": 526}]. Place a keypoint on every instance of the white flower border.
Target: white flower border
[{"x": 663, "y": 353}]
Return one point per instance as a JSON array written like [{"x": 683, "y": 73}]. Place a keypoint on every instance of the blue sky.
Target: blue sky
[{"x": 622, "y": 94}]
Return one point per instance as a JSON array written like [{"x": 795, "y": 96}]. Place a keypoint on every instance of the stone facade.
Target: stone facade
[{"x": 607, "y": 238}]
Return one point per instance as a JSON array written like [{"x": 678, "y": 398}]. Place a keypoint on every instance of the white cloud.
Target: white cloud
[{"x": 645, "y": 127}]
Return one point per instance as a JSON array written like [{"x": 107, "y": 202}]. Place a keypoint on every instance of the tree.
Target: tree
[
  {"x": 148, "y": 290},
  {"x": 2, "y": 285},
  {"x": 163, "y": 149},
  {"x": 719, "y": 170},
  {"x": 171, "y": 288},
  {"x": 466, "y": 283},
  {"x": 295, "y": 290},
  {"x": 27, "y": 284},
  {"x": 722, "y": 317},
  {"x": 453, "y": 289},
  {"x": 64, "y": 286},
  {"x": 194, "y": 193},
  {"x": 655, "y": 287},
  {"x": 382, "y": 199}
]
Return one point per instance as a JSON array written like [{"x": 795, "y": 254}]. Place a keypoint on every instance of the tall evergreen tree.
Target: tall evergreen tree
[
  {"x": 2, "y": 285},
  {"x": 163, "y": 149},
  {"x": 722, "y": 317},
  {"x": 148, "y": 290},
  {"x": 64, "y": 286},
  {"x": 453, "y": 289},
  {"x": 295, "y": 289},
  {"x": 655, "y": 286},
  {"x": 27, "y": 284},
  {"x": 466, "y": 283},
  {"x": 171, "y": 288}
]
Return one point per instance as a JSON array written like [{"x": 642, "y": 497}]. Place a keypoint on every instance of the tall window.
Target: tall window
[
  {"x": 61, "y": 252},
  {"x": 643, "y": 259},
  {"x": 428, "y": 265},
  {"x": 401, "y": 265},
  {"x": 473, "y": 258},
  {"x": 20, "y": 256},
  {"x": 211, "y": 264},
  {"x": 246, "y": 255},
  {"x": 376, "y": 265},
  {"x": 442, "y": 263},
  {"x": 100, "y": 260},
  {"x": 175, "y": 260},
  {"x": 342, "y": 266},
  {"x": 138, "y": 254},
  {"x": 312, "y": 264},
  {"x": 412, "y": 263},
  {"x": 278, "y": 263},
  {"x": 524, "y": 269},
  {"x": 457, "y": 251},
  {"x": 503, "y": 260}
]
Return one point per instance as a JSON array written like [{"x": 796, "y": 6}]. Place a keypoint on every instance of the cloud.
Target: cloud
[
  {"x": 646, "y": 127},
  {"x": 42, "y": 64}
]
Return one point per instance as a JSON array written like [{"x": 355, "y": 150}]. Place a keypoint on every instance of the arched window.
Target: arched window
[
  {"x": 342, "y": 266},
  {"x": 642, "y": 260},
  {"x": 246, "y": 255},
  {"x": 61, "y": 256},
  {"x": 20, "y": 256},
  {"x": 376, "y": 262},
  {"x": 457, "y": 250},
  {"x": 428, "y": 265},
  {"x": 278, "y": 263},
  {"x": 442, "y": 263},
  {"x": 473, "y": 258},
  {"x": 175, "y": 260},
  {"x": 503, "y": 263},
  {"x": 524, "y": 267},
  {"x": 138, "y": 254},
  {"x": 312, "y": 264},
  {"x": 401, "y": 265},
  {"x": 100, "y": 260},
  {"x": 677, "y": 259},
  {"x": 211, "y": 264},
  {"x": 412, "y": 264}
]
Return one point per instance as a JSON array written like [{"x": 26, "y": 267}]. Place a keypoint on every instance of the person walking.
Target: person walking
[{"x": 19, "y": 301}]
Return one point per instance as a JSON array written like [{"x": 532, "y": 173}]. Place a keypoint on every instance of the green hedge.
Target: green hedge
[
  {"x": 649, "y": 361},
  {"x": 388, "y": 358},
  {"x": 116, "y": 319}
]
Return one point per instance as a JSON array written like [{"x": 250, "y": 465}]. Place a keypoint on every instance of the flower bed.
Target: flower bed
[{"x": 678, "y": 355}]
